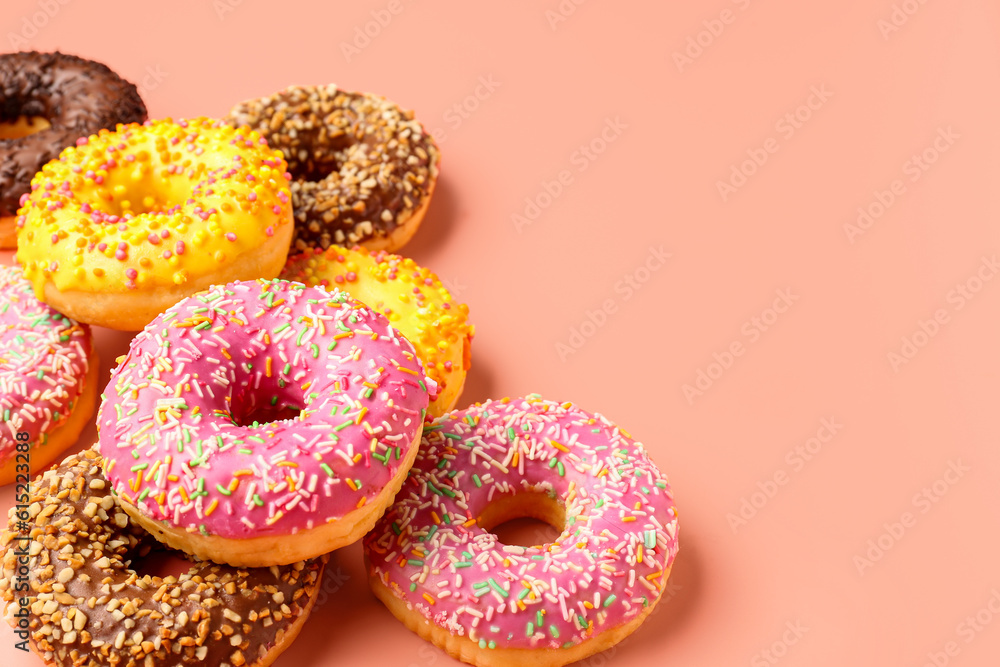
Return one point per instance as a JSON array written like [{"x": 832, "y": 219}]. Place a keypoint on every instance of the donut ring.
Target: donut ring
[
  {"x": 127, "y": 223},
  {"x": 364, "y": 169},
  {"x": 433, "y": 562},
  {"x": 86, "y": 604},
  {"x": 47, "y": 102},
  {"x": 48, "y": 378},
  {"x": 262, "y": 423},
  {"x": 411, "y": 297}
]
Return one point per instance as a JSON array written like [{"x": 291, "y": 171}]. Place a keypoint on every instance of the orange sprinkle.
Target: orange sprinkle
[
  {"x": 267, "y": 367},
  {"x": 361, "y": 415},
  {"x": 362, "y": 502},
  {"x": 212, "y": 506},
  {"x": 654, "y": 575},
  {"x": 344, "y": 334},
  {"x": 350, "y": 483},
  {"x": 561, "y": 447},
  {"x": 407, "y": 370},
  {"x": 628, "y": 518},
  {"x": 242, "y": 472},
  {"x": 289, "y": 464},
  {"x": 436, "y": 518},
  {"x": 162, "y": 498},
  {"x": 429, "y": 598},
  {"x": 173, "y": 478},
  {"x": 226, "y": 354},
  {"x": 470, "y": 522},
  {"x": 184, "y": 495}
]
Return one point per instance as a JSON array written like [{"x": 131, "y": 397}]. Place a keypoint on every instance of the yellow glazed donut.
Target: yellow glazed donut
[
  {"x": 411, "y": 297},
  {"x": 126, "y": 223}
]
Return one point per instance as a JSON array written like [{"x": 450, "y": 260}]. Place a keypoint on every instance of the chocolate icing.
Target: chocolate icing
[
  {"x": 78, "y": 97},
  {"x": 213, "y": 615},
  {"x": 360, "y": 165}
]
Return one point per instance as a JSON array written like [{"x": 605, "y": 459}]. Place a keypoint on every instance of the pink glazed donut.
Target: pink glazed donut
[
  {"x": 263, "y": 422},
  {"x": 434, "y": 563},
  {"x": 48, "y": 380}
]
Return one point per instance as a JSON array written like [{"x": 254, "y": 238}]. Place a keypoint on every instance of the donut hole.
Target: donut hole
[
  {"x": 23, "y": 126},
  {"x": 526, "y": 519},
  {"x": 156, "y": 562},
  {"x": 256, "y": 415},
  {"x": 313, "y": 169}
]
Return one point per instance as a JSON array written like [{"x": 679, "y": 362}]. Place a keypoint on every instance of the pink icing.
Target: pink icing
[
  {"x": 606, "y": 566},
  {"x": 44, "y": 359},
  {"x": 179, "y": 421}
]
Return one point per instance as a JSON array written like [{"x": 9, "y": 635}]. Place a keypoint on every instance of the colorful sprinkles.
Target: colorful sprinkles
[
  {"x": 267, "y": 439},
  {"x": 44, "y": 360},
  {"x": 151, "y": 205},
  {"x": 602, "y": 571},
  {"x": 412, "y": 298}
]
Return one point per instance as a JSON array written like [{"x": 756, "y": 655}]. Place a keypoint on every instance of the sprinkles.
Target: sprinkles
[
  {"x": 608, "y": 566},
  {"x": 264, "y": 445},
  {"x": 45, "y": 358}
]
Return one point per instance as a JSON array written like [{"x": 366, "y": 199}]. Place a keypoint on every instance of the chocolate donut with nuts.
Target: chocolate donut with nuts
[
  {"x": 70, "y": 586},
  {"x": 363, "y": 170}
]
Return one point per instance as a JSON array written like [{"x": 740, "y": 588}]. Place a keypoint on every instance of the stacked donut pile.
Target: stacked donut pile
[{"x": 273, "y": 409}]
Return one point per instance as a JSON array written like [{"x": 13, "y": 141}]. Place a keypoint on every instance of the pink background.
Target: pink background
[{"x": 677, "y": 129}]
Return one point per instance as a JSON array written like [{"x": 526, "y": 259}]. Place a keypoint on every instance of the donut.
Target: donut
[
  {"x": 48, "y": 379},
  {"x": 127, "y": 223},
  {"x": 47, "y": 102},
  {"x": 434, "y": 563},
  {"x": 73, "y": 594},
  {"x": 364, "y": 169},
  {"x": 411, "y": 297},
  {"x": 262, "y": 422}
]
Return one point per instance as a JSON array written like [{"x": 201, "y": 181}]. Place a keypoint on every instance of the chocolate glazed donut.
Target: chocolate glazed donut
[
  {"x": 77, "y": 97},
  {"x": 81, "y": 601},
  {"x": 363, "y": 169}
]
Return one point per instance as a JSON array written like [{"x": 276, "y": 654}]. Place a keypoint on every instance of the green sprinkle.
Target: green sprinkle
[
  {"x": 257, "y": 500},
  {"x": 523, "y": 594},
  {"x": 497, "y": 587},
  {"x": 477, "y": 481},
  {"x": 608, "y": 600},
  {"x": 554, "y": 631},
  {"x": 245, "y": 451},
  {"x": 344, "y": 425},
  {"x": 139, "y": 466},
  {"x": 223, "y": 490},
  {"x": 462, "y": 563},
  {"x": 327, "y": 469},
  {"x": 395, "y": 528},
  {"x": 415, "y": 563},
  {"x": 561, "y": 468},
  {"x": 510, "y": 433},
  {"x": 281, "y": 328},
  {"x": 530, "y": 630},
  {"x": 145, "y": 492}
]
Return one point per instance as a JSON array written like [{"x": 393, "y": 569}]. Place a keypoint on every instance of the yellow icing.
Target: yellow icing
[
  {"x": 158, "y": 166},
  {"x": 386, "y": 282}
]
